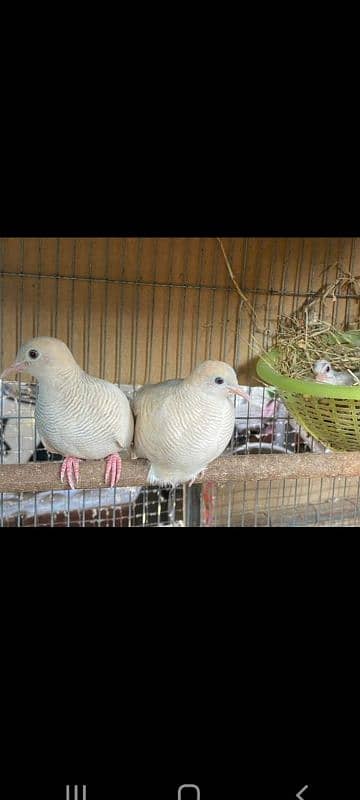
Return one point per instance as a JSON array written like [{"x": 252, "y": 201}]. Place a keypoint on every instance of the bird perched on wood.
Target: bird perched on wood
[
  {"x": 77, "y": 415},
  {"x": 182, "y": 425},
  {"x": 324, "y": 373}
]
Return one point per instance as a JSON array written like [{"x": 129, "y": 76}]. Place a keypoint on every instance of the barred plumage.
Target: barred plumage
[
  {"x": 77, "y": 415},
  {"x": 182, "y": 425}
]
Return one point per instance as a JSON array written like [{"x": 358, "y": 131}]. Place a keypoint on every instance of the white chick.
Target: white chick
[{"x": 324, "y": 373}]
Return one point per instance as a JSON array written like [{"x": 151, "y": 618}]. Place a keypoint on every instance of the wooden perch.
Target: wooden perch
[{"x": 43, "y": 477}]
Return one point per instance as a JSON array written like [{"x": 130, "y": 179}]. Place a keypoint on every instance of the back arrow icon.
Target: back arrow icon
[{"x": 299, "y": 793}]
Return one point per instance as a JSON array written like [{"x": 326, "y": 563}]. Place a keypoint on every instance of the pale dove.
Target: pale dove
[
  {"x": 324, "y": 373},
  {"x": 182, "y": 425},
  {"x": 77, "y": 415}
]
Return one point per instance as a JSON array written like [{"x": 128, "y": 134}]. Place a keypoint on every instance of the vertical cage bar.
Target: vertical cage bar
[
  {"x": 295, "y": 493},
  {"x": 131, "y": 512},
  {"x": 114, "y": 507},
  {"x": 357, "y": 504},
  {"x": 193, "y": 505},
  {"x": 19, "y": 509},
  {"x": 38, "y": 290},
  {"x": 35, "y": 510},
  {"x": 224, "y": 337},
  {"x": 200, "y": 260},
  {"x": 158, "y": 507},
  {"x": 82, "y": 514},
  {"x": 136, "y": 313},
  {"x": 312, "y": 266},
  {"x": 2, "y": 267},
  {"x": 348, "y": 302},
  {"x": 151, "y": 317},
  {"x": 104, "y": 317},
  {"x": 244, "y": 487},
  {"x": 120, "y": 316},
  {"x": 230, "y": 489},
  {"x": 68, "y": 508},
  {"x": 334, "y": 272},
  {"x": 210, "y": 326},
  {"x": 256, "y": 502},
  {"x": 270, "y": 489},
  {"x": 180, "y": 333},
  {"x": 99, "y": 511},
  {"x": 71, "y": 318},
  {"x": 166, "y": 326},
  {"x": 52, "y": 509},
  {"x": 88, "y": 315},
  {"x": 19, "y": 342},
  {"x": 20, "y": 298},
  {"x": 143, "y": 510},
  {"x": 256, "y": 298},
  {"x": 54, "y": 326}
]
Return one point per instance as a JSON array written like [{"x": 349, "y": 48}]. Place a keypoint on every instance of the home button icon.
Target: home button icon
[{"x": 185, "y": 792}]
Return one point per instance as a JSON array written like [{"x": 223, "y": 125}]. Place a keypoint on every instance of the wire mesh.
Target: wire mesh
[
  {"x": 288, "y": 503},
  {"x": 144, "y": 310},
  {"x": 101, "y": 508},
  {"x": 262, "y": 426},
  {"x": 122, "y": 296}
]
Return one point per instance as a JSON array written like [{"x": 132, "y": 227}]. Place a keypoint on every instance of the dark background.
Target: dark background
[{"x": 142, "y": 664}]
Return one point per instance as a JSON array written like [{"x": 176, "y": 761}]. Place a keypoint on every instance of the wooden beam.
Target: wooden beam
[{"x": 45, "y": 476}]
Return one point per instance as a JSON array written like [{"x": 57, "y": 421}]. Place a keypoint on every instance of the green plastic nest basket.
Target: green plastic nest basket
[{"x": 330, "y": 413}]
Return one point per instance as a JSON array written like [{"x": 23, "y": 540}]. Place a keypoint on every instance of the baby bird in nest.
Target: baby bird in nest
[{"x": 324, "y": 373}]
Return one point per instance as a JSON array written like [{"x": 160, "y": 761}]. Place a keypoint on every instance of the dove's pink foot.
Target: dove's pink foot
[
  {"x": 208, "y": 502},
  {"x": 113, "y": 469},
  {"x": 71, "y": 468}
]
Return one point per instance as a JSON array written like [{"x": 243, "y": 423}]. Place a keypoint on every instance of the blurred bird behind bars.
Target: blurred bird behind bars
[{"x": 136, "y": 310}]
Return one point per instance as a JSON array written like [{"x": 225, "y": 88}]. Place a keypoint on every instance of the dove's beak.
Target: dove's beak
[
  {"x": 238, "y": 390},
  {"x": 17, "y": 366},
  {"x": 321, "y": 378}
]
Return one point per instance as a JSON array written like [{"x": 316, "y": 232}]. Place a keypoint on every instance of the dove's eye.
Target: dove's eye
[
  {"x": 33, "y": 354},
  {"x": 219, "y": 380},
  {"x": 327, "y": 369}
]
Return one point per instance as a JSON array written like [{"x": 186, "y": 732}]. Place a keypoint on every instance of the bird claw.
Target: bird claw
[
  {"x": 113, "y": 469},
  {"x": 208, "y": 503},
  {"x": 71, "y": 468}
]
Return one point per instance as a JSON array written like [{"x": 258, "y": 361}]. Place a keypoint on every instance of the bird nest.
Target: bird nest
[
  {"x": 300, "y": 342},
  {"x": 330, "y": 413}
]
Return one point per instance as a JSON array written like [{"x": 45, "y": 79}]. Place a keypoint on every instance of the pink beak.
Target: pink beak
[
  {"x": 321, "y": 378},
  {"x": 239, "y": 391},
  {"x": 17, "y": 366}
]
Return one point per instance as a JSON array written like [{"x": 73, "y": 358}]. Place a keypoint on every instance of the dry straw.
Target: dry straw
[{"x": 306, "y": 336}]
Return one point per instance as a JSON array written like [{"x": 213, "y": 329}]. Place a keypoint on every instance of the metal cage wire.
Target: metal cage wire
[{"x": 141, "y": 310}]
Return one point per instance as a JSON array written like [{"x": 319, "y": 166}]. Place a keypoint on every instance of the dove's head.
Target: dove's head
[
  {"x": 323, "y": 371},
  {"x": 216, "y": 377},
  {"x": 42, "y": 356}
]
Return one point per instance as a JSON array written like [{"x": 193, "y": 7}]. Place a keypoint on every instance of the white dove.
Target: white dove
[
  {"x": 77, "y": 415},
  {"x": 182, "y": 425},
  {"x": 324, "y": 373}
]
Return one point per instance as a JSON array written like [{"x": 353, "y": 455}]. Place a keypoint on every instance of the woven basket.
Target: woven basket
[{"x": 329, "y": 413}]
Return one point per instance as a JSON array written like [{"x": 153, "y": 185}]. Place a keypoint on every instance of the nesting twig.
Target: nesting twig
[
  {"x": 237, "y": 287},
  {"x": 301, "y": 342},
  {"x": 355, "y": 378},
  {"x": 307, "y": 336}
]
